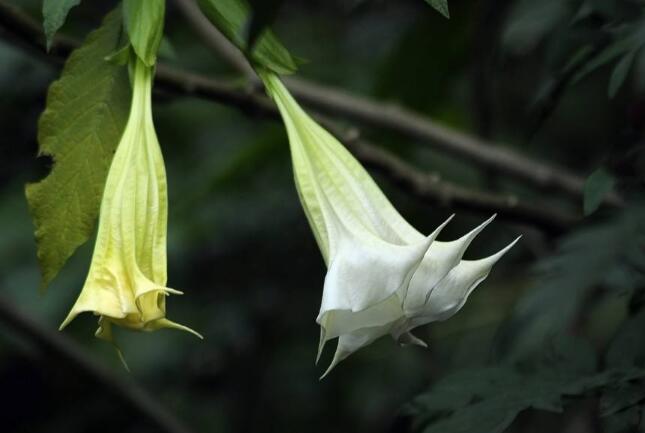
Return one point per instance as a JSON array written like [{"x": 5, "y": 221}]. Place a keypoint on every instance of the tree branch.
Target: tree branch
[
  {"x": 335, "y": 102},
  {"x": 214, "y": 40},
  {"x": 430, "y": 188},
  {"x": 27, "y": 33},
  {"x": 56, "y": 344}
]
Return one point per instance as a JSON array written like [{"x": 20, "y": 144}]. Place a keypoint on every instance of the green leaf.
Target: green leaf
[
  {"x": 488, "y": 399},
  {"x": 628, "y": 40},
  {"x": 263, "y": 16},
  {"x": 626, "y": 348},
  {"x": 167, "y": 50},
  {"x": 441, "y": 6},
  {"x": 80, "y": 128},
  {"x": 597, "y": 186},
  {"x": 231, "y": 17},
  {"x": 620, "y": 72},
  {"x": 566, "y": 278},
  {"x": 54, "y": 14},
  {"x": 144, "y": 25}
]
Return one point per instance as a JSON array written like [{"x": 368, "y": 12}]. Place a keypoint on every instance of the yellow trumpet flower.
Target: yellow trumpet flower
[{"x": 126, "y": 283}]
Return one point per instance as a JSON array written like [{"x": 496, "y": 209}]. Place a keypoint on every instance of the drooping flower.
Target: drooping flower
[
  {"x": 383, "y": 277},
  {"x": 126, "y": 283}
]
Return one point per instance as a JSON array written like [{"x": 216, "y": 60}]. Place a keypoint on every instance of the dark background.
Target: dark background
[{"x": 239, "y": 245}]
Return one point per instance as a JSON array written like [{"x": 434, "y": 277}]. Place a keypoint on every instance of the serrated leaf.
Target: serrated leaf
[
  {"x": 144, "y": 25},
  {"x": 441, "y": 6},
  {"x": 597, "y": 186},
  {"x": 85, "y": 114},
  {"x": 54, "y": 15},
  {"x": 489, "y": 399},
  {"x": 231, "y": 17}
]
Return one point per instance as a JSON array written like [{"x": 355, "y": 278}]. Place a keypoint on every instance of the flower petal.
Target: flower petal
[
  {"x": 350, "y": 343},
  {"x": 126, "y": 283},
  {"x": 450, "y": 295},
  {"x": 440, "y": 258}
]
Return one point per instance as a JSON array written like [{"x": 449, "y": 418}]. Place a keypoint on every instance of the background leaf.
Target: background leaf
[
  {"x": 441, "y": 6},
  {"x": 80, "y": 128},
  {"x": 263, "y": 15},
  {"x": 600, "y": 255},
  {"x": 620, "y": 72},
  {"x": 144, "y": 23},
  {"x": 231, "y": 17},
  {"x": 598, "y": 185},
  {"x": 488, "y": 399},
  {"x": 54, "y": 14}
]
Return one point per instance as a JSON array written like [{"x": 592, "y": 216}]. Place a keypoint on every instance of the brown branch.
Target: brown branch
[
  {"x": 214, "y": 40},
  {"x": 430, "y": 188},
  {"x": 57, "y": 345},
  {"x": 335, "y": 102},
  {"x": 424, "y": 186}
]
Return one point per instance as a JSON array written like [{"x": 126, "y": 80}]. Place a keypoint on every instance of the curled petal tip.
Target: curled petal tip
[
  {"x": 169, "y": 291},
  {"x": 491, "y": 260},
  {"x": 507, "y": 247},
  {"x": 195, "y": 333},
  {"x": 408, "y": 339},
  {"x": 165, "y": 323}
]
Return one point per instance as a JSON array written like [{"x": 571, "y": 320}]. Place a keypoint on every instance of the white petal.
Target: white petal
[
  {"x": 450, "y": 295},
  {"x": 440, "y": 258},
  {"x": 366, "y": 281},
  {"x": 350, "y": 343}
]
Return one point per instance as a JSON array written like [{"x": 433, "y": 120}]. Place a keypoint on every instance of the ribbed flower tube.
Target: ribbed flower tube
[{"x": 126, "y": 283}]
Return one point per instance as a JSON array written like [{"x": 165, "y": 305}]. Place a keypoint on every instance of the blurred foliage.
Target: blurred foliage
[
  {"x": 489, "y": 398},
  {"x": 558, "y": 327}
]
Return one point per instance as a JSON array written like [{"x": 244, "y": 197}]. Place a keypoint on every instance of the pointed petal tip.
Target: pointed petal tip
[
  {"x": 195, "y": 333},
  {"x": 320, "y": 350},
  {"x": 168, "y": 291},
  {"x": 492, "y": 259},
  {"x": 71, "y": 316},
  {"x": 165, "y": 323},
  {"x": 509, "y": 246},
  {"x": 438, "y": 230},
  {"x": 321, "y": 344},
  {"x": 465, "y": 241},
  {"x": 124, "y": 363},
  {"x": 338, "y": 357},
  {"x": 333, "y": 364},
  {"x": 477, "y": 230}
]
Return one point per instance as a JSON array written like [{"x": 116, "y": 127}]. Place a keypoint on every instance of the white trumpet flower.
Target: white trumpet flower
[{"x": 383, "y": 277}]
